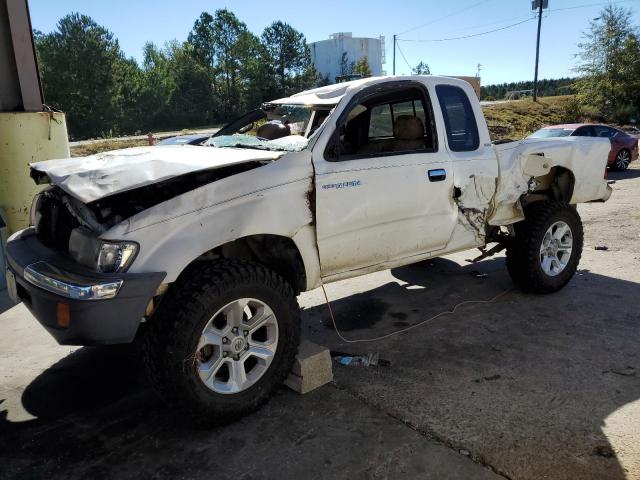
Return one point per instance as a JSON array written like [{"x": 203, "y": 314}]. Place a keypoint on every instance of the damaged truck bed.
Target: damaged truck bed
[{"x": 327, "y": 184}]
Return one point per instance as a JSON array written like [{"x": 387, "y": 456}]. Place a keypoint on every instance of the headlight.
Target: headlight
[
  {"x": 116, "y": 256},
  {"x": 105, "y": 256}
]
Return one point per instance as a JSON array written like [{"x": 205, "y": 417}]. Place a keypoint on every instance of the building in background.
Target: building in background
[{"x": 327, "y": 54}]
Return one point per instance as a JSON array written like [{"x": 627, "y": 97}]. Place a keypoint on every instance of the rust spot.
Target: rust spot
[{"x": 311, "y": 201}]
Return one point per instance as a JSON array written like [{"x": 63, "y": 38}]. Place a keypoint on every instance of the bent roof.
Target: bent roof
[{"x": 331, "y": 94}]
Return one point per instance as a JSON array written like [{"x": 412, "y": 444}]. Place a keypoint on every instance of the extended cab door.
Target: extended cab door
[
  {"x": 384, "y": 186},
  {"x": 474, "y": 161}
]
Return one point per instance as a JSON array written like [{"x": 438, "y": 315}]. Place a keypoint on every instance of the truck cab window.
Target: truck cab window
[
  {"x": 386, "y": 124},
  {"x": 459, "y": 119}
]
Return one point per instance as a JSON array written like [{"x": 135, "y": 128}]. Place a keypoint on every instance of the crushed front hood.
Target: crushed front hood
[{"x": 103, "y": 174}]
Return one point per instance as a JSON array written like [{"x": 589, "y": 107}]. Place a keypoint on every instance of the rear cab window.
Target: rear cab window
[{"x": 459, "y": 119}]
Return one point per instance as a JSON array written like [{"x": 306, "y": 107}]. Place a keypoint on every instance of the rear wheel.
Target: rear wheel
[
  {"x": 622, "y": 160},
  {"x": 223, "y": 340},
  {"x": 546, "y": 250}
]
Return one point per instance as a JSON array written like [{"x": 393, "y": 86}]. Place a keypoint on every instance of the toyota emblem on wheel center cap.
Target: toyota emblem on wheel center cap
[{"x": 237, "y": 345}]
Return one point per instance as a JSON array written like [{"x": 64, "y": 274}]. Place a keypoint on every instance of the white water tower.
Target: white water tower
[{"x": 327, "y": 54}]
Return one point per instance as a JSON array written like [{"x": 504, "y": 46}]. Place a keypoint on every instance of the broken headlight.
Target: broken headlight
[
  {"x": 105, "y": 256},
  {"x": 116, "y": 256}
]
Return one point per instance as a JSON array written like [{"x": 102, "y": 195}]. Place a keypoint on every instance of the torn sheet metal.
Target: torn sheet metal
[
  {"x": 585, "y": 157},
  {"x": 97, "y": 176}
]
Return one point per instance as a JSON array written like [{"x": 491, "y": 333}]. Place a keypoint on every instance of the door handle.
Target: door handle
[{"x": 437, "y": 175}]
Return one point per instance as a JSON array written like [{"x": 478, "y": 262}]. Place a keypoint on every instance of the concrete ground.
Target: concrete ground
[{"x": 528, "y": 387}]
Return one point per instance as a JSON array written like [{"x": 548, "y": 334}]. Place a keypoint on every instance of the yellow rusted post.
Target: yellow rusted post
[{"x": 26, "y": 138}]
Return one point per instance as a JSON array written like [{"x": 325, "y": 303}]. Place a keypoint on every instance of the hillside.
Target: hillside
[{"x": 518, "y": 118}]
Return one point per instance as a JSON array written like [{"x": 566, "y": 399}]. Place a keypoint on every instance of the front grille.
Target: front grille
[{"x": 55, "y": 221}]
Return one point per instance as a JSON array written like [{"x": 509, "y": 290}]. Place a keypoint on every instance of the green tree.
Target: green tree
[
  {"x": 129, "y": 83},
  {"x": 202, "y": 40},
  {"x": 362, "y": 67},
  {"x": 177, "y": 89},
  {"x": 610, "y": 63},
  {"x": 77, "y": 63},
  {"x": 290, "y": 58},
  {"x": 230, "y": 51},
  {"x": 422, "y": 69},
  {"x": 346, "y": 67}
]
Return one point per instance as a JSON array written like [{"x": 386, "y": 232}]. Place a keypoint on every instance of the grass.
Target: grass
[
  {"x": 510, "y": 120},
  {"x": 106, "y": 145},
  {"x": 518, "y": 118}
]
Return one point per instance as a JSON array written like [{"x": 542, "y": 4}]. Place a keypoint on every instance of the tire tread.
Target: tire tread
[
  {"x": 181, "y": 311},
  {"x": 523, "y": 251}
]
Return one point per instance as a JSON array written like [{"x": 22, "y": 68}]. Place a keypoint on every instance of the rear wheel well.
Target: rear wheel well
[
  {"x": 557, "y": 185},
  {"x": 277, "y": 253}
]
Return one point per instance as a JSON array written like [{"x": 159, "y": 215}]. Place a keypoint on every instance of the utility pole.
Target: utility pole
[
  {"x": 394, "y": 54},
  {"x": 538, "y": 4}
]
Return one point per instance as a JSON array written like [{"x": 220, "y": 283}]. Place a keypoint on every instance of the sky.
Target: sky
[{"x": 505, "y": 56}]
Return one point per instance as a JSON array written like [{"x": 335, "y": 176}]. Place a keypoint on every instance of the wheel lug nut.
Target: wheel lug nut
[
  {"x": 246, "y": 333},
  {"x": 234, "y": 329},
  {"x": 225, "y": 340},
  {"x": 225, "y": 354},
  {"x": 246, "y": 347}
]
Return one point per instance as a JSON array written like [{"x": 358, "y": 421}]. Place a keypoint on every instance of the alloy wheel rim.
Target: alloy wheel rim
[
  {"x": 236, "y": 346},
  {"x": 555, "y": 249},
  {"x": 622, "y": 160}
]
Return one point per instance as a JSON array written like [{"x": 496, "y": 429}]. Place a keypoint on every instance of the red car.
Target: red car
[{"x": 624, "y": 147}]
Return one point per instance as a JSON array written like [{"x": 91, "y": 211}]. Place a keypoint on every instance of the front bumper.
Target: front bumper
[{"x": 77, "y": 306}]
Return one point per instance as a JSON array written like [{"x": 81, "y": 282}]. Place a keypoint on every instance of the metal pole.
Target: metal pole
[
  {"x": 535, "y": 77},
  {"x": 394, "y": 54}
]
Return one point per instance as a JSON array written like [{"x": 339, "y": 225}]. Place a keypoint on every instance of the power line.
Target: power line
[
  {"x": 529, "y": 17},
  {"x": 496, "y": 22},
  {"x": 468, "y": 36},
  {"x": 405, "y": 59},
  {"x": 589, "y": 5},
  {"x": 446, "y": 16}
]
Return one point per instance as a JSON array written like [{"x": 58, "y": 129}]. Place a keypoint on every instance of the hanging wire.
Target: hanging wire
[
  {"x": 419, "y": 324},
  {"x": 467, "y": 36},
  {"x": 405, "y": 58},
  {"x": 446, "y": 16},
  {"x": 590, "y": 5}
]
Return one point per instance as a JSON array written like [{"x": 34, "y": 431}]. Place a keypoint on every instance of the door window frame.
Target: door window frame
[{"x": 368, "y": 94}]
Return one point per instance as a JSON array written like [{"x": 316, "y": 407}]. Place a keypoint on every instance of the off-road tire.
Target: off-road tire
[
  {"x": 523, "y": 251},
  {"x": 172, "y": 334}
]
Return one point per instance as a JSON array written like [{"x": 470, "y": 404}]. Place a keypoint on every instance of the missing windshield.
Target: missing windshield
[{"x": 276, "y": 127}]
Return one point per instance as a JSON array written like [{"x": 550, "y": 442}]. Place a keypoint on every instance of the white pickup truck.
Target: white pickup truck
[{"x": 199, "y": 251}]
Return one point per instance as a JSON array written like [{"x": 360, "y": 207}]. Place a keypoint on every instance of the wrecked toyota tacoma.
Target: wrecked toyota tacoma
[{"x": 199, "y": 252}]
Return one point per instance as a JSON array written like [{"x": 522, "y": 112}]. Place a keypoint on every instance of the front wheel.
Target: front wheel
[
  {"x": 222, "y": 340},
  {"x": 546, "y": 250}
]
